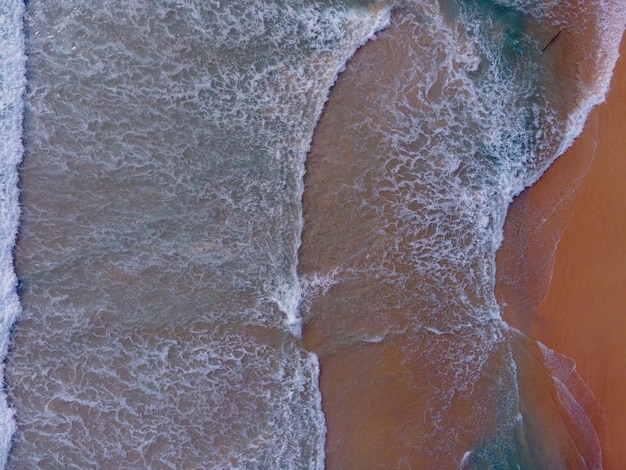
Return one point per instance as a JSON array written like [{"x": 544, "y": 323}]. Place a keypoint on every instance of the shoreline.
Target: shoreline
[
  {"x": 560, "y": 269},
  {"x": 388, "y": 383},
  {"x": 382, "y": 389}
]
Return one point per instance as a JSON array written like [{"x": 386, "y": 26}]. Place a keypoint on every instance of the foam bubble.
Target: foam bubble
[
  {"x": 12, "y": 82},
  {"x": 167, "y": 143}
]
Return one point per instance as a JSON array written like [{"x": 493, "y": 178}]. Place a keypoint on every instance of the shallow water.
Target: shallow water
[
  {"x": 157, "y": 253},
  {"x": 577, "y": 244},
  {"x": 164, "y": 270},
  {"x": 427, "y": 136}
]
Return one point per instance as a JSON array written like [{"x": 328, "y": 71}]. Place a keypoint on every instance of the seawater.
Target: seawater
[
  {"x": 161, "y": 187},
  {"x": 12, "y": 82},
  {"x": 168, "y": 265}
]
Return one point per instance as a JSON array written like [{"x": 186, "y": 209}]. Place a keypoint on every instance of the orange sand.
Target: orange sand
[{"x": 562, "y": 266}]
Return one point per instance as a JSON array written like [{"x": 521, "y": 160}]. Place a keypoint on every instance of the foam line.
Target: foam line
[{"x": 12, "y": 83}]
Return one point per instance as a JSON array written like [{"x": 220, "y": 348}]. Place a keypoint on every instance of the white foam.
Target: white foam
[
  {"x": 363, "y": 29},
  {"x": 574, "y": 395},
  {"x": 374, "y": 339},
  {"x": 12, "y": 82},
  {"x": 611, "y": 25},
  {"x": 287, "y": 297},
  {"x": 252, "y": 112},
  {"x": 465, "y": 461}
]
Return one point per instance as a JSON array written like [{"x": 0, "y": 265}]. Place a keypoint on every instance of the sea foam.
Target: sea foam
[
  {"x": 165, "y": 146},
  {"x": 12, "y": 82}
]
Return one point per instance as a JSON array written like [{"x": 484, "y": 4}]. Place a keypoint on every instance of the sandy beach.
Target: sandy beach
[
  {"x": 384, "y": 384},
  {"x": 561, "y": 267},
  {"x": 189, "y": 301}
]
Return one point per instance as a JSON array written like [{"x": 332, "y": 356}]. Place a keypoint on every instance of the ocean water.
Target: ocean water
[
  {"x": 161, "y": 190},
  {"x": 181, "y": 277},
  {"x": 12, "y": 83}
]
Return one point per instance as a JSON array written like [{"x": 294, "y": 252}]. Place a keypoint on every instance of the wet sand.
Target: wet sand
[{"x": 561, "y": 269}]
